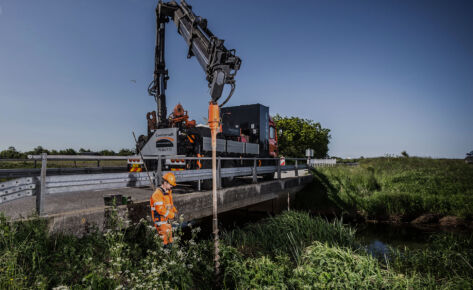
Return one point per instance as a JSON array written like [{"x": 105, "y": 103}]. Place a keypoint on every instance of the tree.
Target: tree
[
  {"x": 11, "y": 153},
  {"x": 107, "y": 152},
  {"x": 300, "y": 134},
  {"x": 37, "y": 151},
  {"x": 126, "y": 152},
  {"x": 68, "y": 151}
]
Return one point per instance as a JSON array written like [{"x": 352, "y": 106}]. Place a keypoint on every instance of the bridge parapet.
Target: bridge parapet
[{"x": 76, "y": 219}]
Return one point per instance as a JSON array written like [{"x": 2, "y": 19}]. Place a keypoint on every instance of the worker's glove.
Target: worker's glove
[
  {"x": 171, "y": 215},
  {"x": 174, "y": 209}
]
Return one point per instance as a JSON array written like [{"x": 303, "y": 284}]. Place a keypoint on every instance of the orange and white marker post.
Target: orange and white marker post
[
  {"x": 214, "y": 124},
  {"x": 282, "y": 161}
]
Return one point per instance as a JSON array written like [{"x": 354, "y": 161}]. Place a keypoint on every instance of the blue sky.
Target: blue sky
[{"x": 384, "y": 76}]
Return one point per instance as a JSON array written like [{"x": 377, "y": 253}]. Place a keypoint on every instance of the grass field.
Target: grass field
[
  {"x": 403, "y": 187},
  {"x": 289, "y": 251},
  {"x": 60, "y": 164}
]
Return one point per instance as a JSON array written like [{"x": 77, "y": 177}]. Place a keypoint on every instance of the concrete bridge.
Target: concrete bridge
[{"x": 74, "y": 212}]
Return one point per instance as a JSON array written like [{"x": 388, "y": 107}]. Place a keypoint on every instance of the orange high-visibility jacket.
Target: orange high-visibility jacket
[{"x": 162, "y": 207}]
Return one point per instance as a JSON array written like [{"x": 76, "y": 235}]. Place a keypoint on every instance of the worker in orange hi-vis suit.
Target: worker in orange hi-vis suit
[{"x": 162, "y": 207}]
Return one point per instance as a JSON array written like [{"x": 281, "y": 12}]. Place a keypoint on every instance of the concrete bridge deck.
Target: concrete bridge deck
[{"x": 74, "y": 212}]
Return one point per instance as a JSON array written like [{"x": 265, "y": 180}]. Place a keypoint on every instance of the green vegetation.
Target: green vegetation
[
  {"x": 300, "y": 134},
  {"x": 290, "y": 251},
  {"x": 60, "y": 163},
  {"x": 12, "y": 153},
  {"x": 404, "y": 187}
]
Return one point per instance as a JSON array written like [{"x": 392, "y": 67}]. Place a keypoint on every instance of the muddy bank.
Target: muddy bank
[{"x": 426, "y": 220}]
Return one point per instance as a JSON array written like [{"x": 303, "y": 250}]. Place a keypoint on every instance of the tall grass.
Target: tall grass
[
  {"x": 296, "y": 251},
  {"x": 288, "y": 233},
  {"x": 331, "y": 267},
  {"x": 132, "y": 258},
  {"x": 446, "y": 256},
  {"x": 407, "y": 187},
  {"x": 290, "y": 251}
]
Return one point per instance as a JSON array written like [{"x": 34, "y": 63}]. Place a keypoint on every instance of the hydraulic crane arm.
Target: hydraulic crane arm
[{"x": 220, "y": 64}]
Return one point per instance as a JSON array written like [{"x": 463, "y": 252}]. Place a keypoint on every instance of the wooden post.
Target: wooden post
[{"x": 42, "y": 191}]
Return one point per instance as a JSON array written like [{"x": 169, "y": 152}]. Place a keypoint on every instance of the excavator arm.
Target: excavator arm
[{"x": 219, "y": 63}]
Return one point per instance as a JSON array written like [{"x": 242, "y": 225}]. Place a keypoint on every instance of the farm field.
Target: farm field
[{"x": 60, "y": 163}]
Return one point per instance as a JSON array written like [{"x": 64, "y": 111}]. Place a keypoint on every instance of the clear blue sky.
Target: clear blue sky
[{"x": 384, "y": 76}]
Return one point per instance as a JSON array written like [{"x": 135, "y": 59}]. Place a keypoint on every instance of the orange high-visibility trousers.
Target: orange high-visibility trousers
[{"x": 165, "y": 231}]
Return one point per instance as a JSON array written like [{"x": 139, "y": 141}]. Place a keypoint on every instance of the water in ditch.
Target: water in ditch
[{"x": 376, "y": 237}]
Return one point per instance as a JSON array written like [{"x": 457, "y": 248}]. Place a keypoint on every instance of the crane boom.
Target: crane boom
[{"x": 219, "y": 63}]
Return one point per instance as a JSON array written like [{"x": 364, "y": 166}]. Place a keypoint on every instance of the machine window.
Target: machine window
[{"x": 271, "y": 133}]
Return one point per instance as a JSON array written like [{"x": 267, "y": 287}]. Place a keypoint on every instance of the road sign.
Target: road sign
[{"x": 309, "y": 152}]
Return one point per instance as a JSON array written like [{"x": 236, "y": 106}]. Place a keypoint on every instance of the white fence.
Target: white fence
[{"x": 322, "y": 162}]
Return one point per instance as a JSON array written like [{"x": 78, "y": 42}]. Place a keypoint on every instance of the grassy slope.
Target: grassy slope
[{"x": 407, "y": 187}]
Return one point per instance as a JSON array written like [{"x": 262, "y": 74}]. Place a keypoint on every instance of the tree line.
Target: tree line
[{"x": 12, "y": 153}]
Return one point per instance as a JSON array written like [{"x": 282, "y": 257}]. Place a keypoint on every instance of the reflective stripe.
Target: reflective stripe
[
  {"x": 166, "y": 214},
  {"x": 158, "y": 203},
  {"x": 152, "y": 208},
  {"x": 160, "y": 223}
]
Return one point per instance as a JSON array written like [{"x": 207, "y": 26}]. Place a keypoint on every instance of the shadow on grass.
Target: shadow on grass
[{"x": 322, "y": 198}]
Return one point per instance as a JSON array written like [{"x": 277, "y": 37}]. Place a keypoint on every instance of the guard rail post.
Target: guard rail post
[
  {"x": 42, "y": 191},
  {"x": 279, "y": 168},
  {"x": 98, "y": 163},
  {"x": 159, "y": 173},
  {"x": 219, "y": 173},
  {"x": 255, "y": 177},
  {"x": 199, "y": 182},
  {"x": 295, "y": 170}
]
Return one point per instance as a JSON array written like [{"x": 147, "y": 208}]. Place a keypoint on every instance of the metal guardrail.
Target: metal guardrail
[
  {"x": 18, "y": 188},
  {"x": 27, "y": 172},
  {"x": 45, "y": 185}
]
